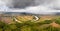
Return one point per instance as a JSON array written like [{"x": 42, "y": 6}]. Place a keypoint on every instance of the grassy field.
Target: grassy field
[{"x": 27, "y": 23}]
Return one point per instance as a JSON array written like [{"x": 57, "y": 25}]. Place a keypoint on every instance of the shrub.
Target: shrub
[
  {"x": 48, "y": 21},
  {"x": 45, "y": 22},
  {"x": 50, "y": 28},
  {"x": 57, "y": 20}
]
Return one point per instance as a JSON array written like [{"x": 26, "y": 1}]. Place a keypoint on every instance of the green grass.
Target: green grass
[
  {"x": 30, "y": 26},
  {"x": 57, "y": 20}
]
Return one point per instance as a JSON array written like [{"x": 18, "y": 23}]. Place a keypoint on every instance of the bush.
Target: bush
[
  {"x": 50, "y": 28},
  {"x": 45, "y": 22},
  {"x": 48, "y": 21},
  {"x": 28, "y": 26},
  {"x": 25, "y": 28},
  {"x": 57, "y": 20}
]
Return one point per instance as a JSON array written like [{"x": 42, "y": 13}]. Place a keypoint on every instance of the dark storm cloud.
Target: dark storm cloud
[{"x": 32, "y": 6}]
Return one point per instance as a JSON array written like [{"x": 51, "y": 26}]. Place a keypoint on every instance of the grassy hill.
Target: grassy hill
[{"x": 27, "y": 23}]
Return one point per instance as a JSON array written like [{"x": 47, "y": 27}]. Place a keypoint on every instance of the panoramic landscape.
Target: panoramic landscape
[
  {"x": 29, "y": 15},
  {"x": 29, "y": 23}
]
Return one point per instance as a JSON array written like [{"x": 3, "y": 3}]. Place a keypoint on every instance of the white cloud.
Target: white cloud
[{"x": 40, "y": 9}]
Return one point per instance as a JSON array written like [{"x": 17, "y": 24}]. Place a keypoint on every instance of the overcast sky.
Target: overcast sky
[{"x": 30, "y": 6}]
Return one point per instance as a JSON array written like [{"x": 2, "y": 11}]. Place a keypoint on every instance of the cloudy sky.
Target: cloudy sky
[{"x": 30, "y": 6}]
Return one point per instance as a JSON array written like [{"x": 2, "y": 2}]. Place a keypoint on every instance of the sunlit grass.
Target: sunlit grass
[{"x": 27, "y": 25}]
